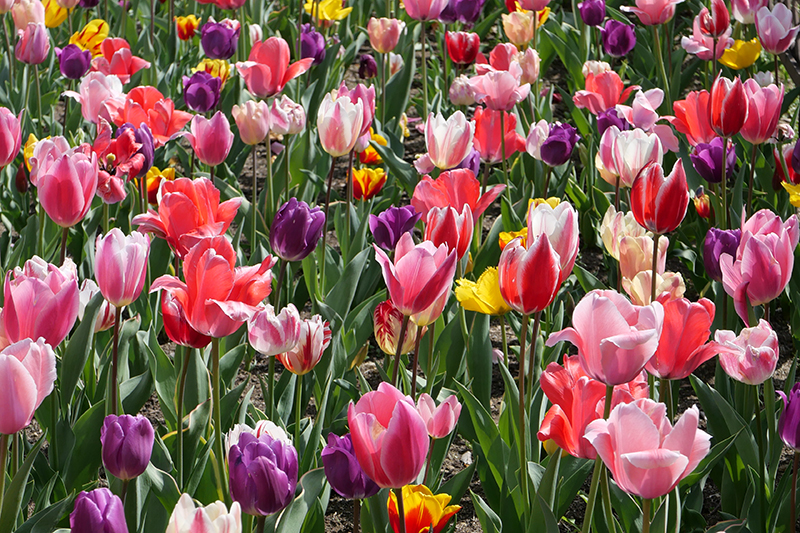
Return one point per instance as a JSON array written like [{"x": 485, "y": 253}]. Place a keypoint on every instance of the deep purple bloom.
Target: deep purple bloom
[
  {"x": 144, "y": 137},
  {"x": 127, "y": 445},
  {"x": 88, "y": 4},
  {"x": 609, "y": 118},
  {"x": 464, "y": 11},
  {"x": 557, "y": 148},
  {"x": 618, "y": 38},
  {"x": 263, "y": 473},
  {"x": 201, "y": 91},
  {"x": 718, "y": 242},
  {"x": 592, "y": 12},
  {"x": 788, "y": 424},
  {"x": 73, "y": 62},
  {"x": 312, "y": 44},
  {"x": 707, "y": 160},
  {"x": 367, "y": 67},
  {"x": 389, "y": 226},
  {"x": 472, "y": 162},
  {"x": 99, "y": 510},
  {"x": 343, "y": 471},
  {"x": 220, "y": 39},
  {"x": 296, "y": 229}
]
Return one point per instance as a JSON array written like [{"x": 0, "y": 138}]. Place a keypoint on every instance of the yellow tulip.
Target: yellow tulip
[
  {"x": 154, "y": 178},
  {"x": 421, "y": 509},
  {"x": 508, "y": 236},
  {"x": 482, "y": 296},
  {"x": 54, "y": 14},
  {"x": 91, "y": 36},
  {"x": 367, "y": 182},
  {"x": 552, "y": 201},
  {"x": 741, "y": 55},
  {"x": 328, "y": 9},
  {"x": 794, "y": 193},
  {"x": 218, "y": 68},
  {"x": 27, "y": 152}
]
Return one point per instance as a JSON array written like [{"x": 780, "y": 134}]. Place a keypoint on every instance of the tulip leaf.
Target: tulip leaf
[
  {"x": 13, "y": 496},
  {"x": 294, "y": 516},
  {"x": 340, "y": 297},
  {"x": 135, "y": 392},
  {"x": 47, "y": 518},
  {"x": 229, "y": 363},
  {"x": 163, "y": 486},
  {"x": 542, "y": 518},
  {"x": 490, "y": 522},
  {"x": 314, "y": 440},
  {"x": 85, "y": 456},
  {"x": 458, "y": 485},
  {"x": 573, "y": 472},
  {"x": 479, "y": 358},
  {"x": 163, "y": 373},
  {"x": 77, "y": 352},
  {"x": 717, "y": 452},
  {"x": 398, "y": 87}
]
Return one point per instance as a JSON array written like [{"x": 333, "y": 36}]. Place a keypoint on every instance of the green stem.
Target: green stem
[
  {"x": 261, "y": 522},
  {"x": 181, "y": 391},
  {"x": 666, "y": 394},
  {"x": 656, "y": 239},
  {"x": 752, "y": 174},
  {"x": 599, "y": 470},
  {"x": 415, "y": 364},
  {"x": 646, "y": 515},
  {"x": 502, "y": 148},
  {"x": 725, "y": 214},
  {"x": 424, "y": 77},
  {"x": 429, "y": 373},
  {"x": 64, "y": 235},
  {"x": 3, "y": 461},
  {"x": 14, "y": 454},
  {"x": 42, "y": 222},
  {"x": 523, "y": 452},
  {"x": 268, "y": 212},
  {"x": 222, "y": 480},
  {"x": 660, "y": 59},
  {"x": 401, "y": 509},
  {"x": 428, "y": 463},
  {"x": 38, "y": 95},
  {"x": 761, "y": 452},
  {"x": 272, "y": 387},
  {"x": 532, "y": 364},
  {"x": 349, "y": 194},
  {"x": 384, "y": 60},
  {"x": 606, "y": 494},
  {"x": 298, "y": 410},
  {"x": 548, "y": 171},
  {"x": 10, "y": 50},
  {"x": 505, "y": 340},
  {"x": 356, "y": 515},
  {"x": 114, "y": 363},
  {"x": 286, "y": 163},
  {"x": 124, "y": 492}
]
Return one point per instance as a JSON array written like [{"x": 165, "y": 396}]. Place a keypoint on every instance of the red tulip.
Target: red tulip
[
  {"x": 445, "y": 225},
  {"x": 659, "y": 203},
  {"x": 693, "y": 117},
  {"x": 118, "y": 60},
  {"x": 717, "y": 21},
  {"x": 462, "y": 46},
  {"x": 487, "y": 140},
  {"x": 454, "y": 188},
  {"x": 529, "y": 278},
  {"x": 175, "y": 325},
  {"x": 728, "y": 106}
]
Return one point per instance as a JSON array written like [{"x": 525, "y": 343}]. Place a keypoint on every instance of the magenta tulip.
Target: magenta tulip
[
  {"x": 212, "y": 139},
  {"x": 27, "y": 375},
  {"x": 775, "y": 29},
  {"x": 10, "y": 136},
  {"x": 33, "y": 45},
  {"x": 764, "y": 104},
  {"x": 752, "y": 355},
  {"x": 121, "y": 265}
]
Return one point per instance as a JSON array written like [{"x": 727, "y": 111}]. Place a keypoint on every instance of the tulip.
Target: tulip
[
  {"x": 560, "y": 225},
  {"x": 312, "y": 44},
  {"x": 342, "y": 470},
  {"x": 521, "y": 290},
  {"x": 389, "y": 436},
  {"x": 105, "y": 317},
  {"x": 462, "y": 46},
  {"x": 636, "y": 255},
  {"x": 368, "y": 67},
  {"x": 529, "y": 63},
  {"x": 314, "y": 338},
  {"x": 367, "y": 182},
  {"x": 728, "y": 106},
  {"x": 603, "y": 91},
  {"x": 448, "y": 141},
  {"x": 387, "y": 324},
  {"x": 263, "y": 473},
  {"x": 41, "y": 300},
  {"x": 741, "y": 54},
  {"x": 659, "y": 455},
  {"x": 286, "y": 116},
  {"x": 176, "y": 325},
  {"x": 188, "y": 210},
  {"x": 154, "y": 177},
  {"x": 482, "y": 296},
  {"x": 789, "y": 422},
  {"x": 361, "y": 95},
  {"x": 384, "y": 33},
  {"x": 707, "y": 160},
  {"x": 702, "y": 204},
  {"x": 272, "y": 335},
  {"x": 764, "y": 106},
  {"x": 440, "y": 421},
  {"x": 618, "y": 38},
  {"x": 296, "y": 229},
  {"x": 518, "y": 26},
  {"x": 91, "y": 36},
  {"x": 653, "y": 12},
  {"x": 98, "y": 510},
  {"x": 218, "y": 68},
  {"x": 201, "y": 91},
  {"x": 25, "y": 12},
  {"x": 213, "y": 518},
  {"x": 33, "y": 45},
  {"x": 593, "y": 12},
  {"x": 95, "y": 91},
  {"x": 615, "y": 226},
  {"x": 118, "y": 60},
  {"x": 212, "y": 139},
  {"x": 424, "y": 9},
  {"x": 187, "y": 26},
  {"x": 745, "y": 11},
  {"x": 121, "y": 265},
  {"x": 67, "y": 186},
  {"x": 718, "y": 242},
  {"x": 658, "y": 202},
  {"x": 557, "y": 148},
  {"x": 327, "y": 11},
  {"x": 717, "y": 21},
  {"x": 704, "y": 46},
  {"x": 267, "y": 68},
  {"x": 422, "y": 511},
  {"x": 253, "y": 120},
  {"x": 73, "y": 62},
  {"x": 147, "y": 105},
  {"x": 632, "y": 151},
  {"x": 615, "y": 339},
  {"x": 500, "y": 90},
  {"x": 220, "y": 39},
  {"x": 774, "y": 28},
  {"x": 263, "y": 427},
  {"x": 127, "y": 443},
  {"x": 29, "y": 372},
  {"x": 466, "y": 12},
  {"x": 390, "y": 225},
  {"x": 445, "y": 225},
  {"x": 693, "y": 117},
  {"x": 10, "y": 136},
  {"x": 460, "y": 93},
  {"x": 455, "y": 188},
  {"x": 752, "y": 355},
  {"x": 339, "y": 122}
]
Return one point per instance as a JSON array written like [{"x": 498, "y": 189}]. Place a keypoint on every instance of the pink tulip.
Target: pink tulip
[
  {"x": 763, "y": 263},
  {"x": 445, "y": 225},
  {"x": 752, "y": 356},
  {"x": 488, "y": 136},
  {"x": 177, "y": 327},
  {"x": 448, "y": 141},
  {"x": 500, "y": 89},
  {"x": 775, "y": 29},
  {"x": 5, "y": 6},
  {"x": 28, "y": 371},
  {"x": 253, "y": 120},
  {"x": 67, "y": 186},
  {"x": 643, "y": 114},
  {"x": 529, "y": 63},
  {"x": 41, "y": 300},
  {"x": 121, "y": 265},
  {"x": 440, "y": 421},
  {"x": 118, "y": 60},
  {"x": 653, "y": 12},
  {"x": 604, "y": 158},
  {"x": 10, "y": 136},
  {"x": 267, "y": 68},
  {"x": 384, "y": 33},
  {"x": 33, "y": 45},
  {"x": 339, "y": 122},
  {"x": 106, "y": 316},
  {"x": 645, "y": 453},
  {"x": 271, "y": 334},
  {"x": 604, "y": 90},
  {"x": 212, "y": 139},
  {"x": 615, "y": 339},
  {"x": 366, "y": 96},
  {"x": 702, "y": 45},
  {"x": 764, "y": 105},
  {"x": 560, "y": 224},
  {"x": 745, "y": 10},
  {"x": 431, "y": 314},
  {"x": 314, "y": 338},
  {"x": 286, "y": 116},
  {"x": 534, "y": 5},
  {"x": 425, "y": 9},
  {"x": 420, "y": 274},
  {"x": 96, "y": 94},
  {"x": 25, "y": 12},
  {"x": 45, "y": 153},
  {"x": 455, "y": 188},
  {"x": 634, "y": 150},
  {"x": 389, "y": 436}
]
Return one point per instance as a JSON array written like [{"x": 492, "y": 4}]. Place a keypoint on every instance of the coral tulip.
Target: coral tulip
[
  {"x": 454, "y": 188},
  {"x": 29, "y": 372},
  {"x": 147, "y": 105},
  {"x": 342, "y": 470},
  {"x": 127, "y": 444},
  {"x": 693, "y": 117},
  {"x": 212, "y": 139},
  {"x": 177, "y": 327},
  {"x": 603, "y": 91},
  {"x": 314, "y": 338},
  {"x": 752, "y": 355},
  {"x": 10, "y": 136},
  {"x": 764, "y": 106},
  {"x": 488, "y": 135},
  {"x": 213, "y": 518},
  {"x": 659, "y": 203},
  {"x": 384, "y": 33},
  {"x": 121, "y": 265},
  {"x": 728, "y": 106},
  {"x": 267, "y": 68},
  {"x": 775, "y": 29}
]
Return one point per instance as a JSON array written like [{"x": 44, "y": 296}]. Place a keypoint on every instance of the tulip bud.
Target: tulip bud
[
  {"x": 702, "y": 204},
  {"x": 98, "y": 510},
  {"x": 314, "y": 338},
  {"x": 296, "y": 229},
  {"x": 707, "y": 160},
  {"x": 618, "y": 38},
  {"x": 201, "y": 91},
  {"x": 752, "y": 355},
  {"x": 213, "y": 518},
  {"x": 717, "y": 21},
  {"x": 440, "y": 421},
  {"x": 262, "y": 473},
  {"x": 74, "y": 62},
  {"x": 287, "y": 117},
  {"x": 728, "y": 106},
  {"x": 789, "y": 422},
  {"x": 21, "y": 180},
  {"x": 33, "y": 45},
  {"x": 367, "y": 67},
  {"x": 384, "y": 33},
  {"x": 312, "y": 44},
  {"x": 187, "y": 26},
  {"x": 127, "y": 443},
  {"x": 220, "y": 39},
  {"x": 121, "y": 265},
  {"x": 343, "y": 471},
  {"x": 253, "y": 120},
  {"x": 463, "y": 47},
  {"x": 390, "y": 225},
  {"x": 460, "y": 92},
  {"x": 592, "y": 12},
  {"x": 270, "y": 334},
  {"x": 518, "y": 26},
  {"x": 658, "y": 202}
]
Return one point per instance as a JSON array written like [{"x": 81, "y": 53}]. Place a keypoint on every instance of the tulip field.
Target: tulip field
[{"x": 399, "y": 266}]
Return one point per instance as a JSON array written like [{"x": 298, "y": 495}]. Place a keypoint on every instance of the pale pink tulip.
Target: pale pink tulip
[
  {"x": 96, "y": 93},
  {"x": 68, "y": 185},
  {"x": 529, "y": 63},
  {"x": 639, "y": 288},
  {"x": 439, "y": 421},
  {"x": 33, "y": 45},
  {"x": 212, "y": 139},
  {"x": 106, "y": 315},
  {"x": 448, "y": 141},
  {"x": 213, "y": 518},
  {"x": 424, "y": 9},
  {"x": 642, "y": 114},
  {"x": 633, "y": 150},
  {"x": 28, "y": 371},
  {"x": 253, "y": 120},
  {"x": 339, "y": 123},
  {"x": 121, "y": 265},
  {"x": 10, "y": 136},
  {"x": 384, "y": 33},
  {"x": 365, "y": 96},
  {"x": 560, "y": 224},
  {"x": 25, "y": 12},
  {"x": 653, "y": 12},
  {"x": 271, "y": 334},
  {"x": 314, "y": 338},
  {"x": 604, "y": 158},
  {"x": 500, "y": 89},
  {"x": 286, "y": 116},
  {"x": 745, "y": 10},
  {"x": 775, "y": 29},
  {"x": 636, "y": 254},
  {"x": 752, "y": 356},
  {"x": 764, "y": 110}
]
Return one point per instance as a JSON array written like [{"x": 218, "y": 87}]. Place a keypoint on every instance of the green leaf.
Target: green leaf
[
  {"x": 490, "y": 522},
  {"x": 85, "y": 456},
  {"x": 45, "y": 520},
  {"x": 293, "y": 517},
  {"x": 13, "y": 496},
  {"x": 163, "y": 372},
  {"x": 479, "y": 359},
  {"x": 77, "y": 352}
]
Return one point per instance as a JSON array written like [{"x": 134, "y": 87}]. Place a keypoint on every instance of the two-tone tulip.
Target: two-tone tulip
[{"x": 659, "y": 202}]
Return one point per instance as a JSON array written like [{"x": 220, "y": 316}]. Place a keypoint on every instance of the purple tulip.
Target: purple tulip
[
  {"x": 592, "y": 12},
  {"x": 707, "y": 160},
  {"x": 220, "y": 39},
  {"x": 263, "y": 473},
  {"x": 296, "y": 229},
  {"x": 788, "y": 424},
  {"x": 389, "y": 226},
  {"x": 610, "y": 117},
  {"x": 312, "y": 44},
  {"x": 367, "y": 67},
  {"x": 464, "y": 11},
  {"x": 472, "y": 162},
  {"x": 144, "y": 137},
  {"x": 201, "y": 91},
  {"x": 99, "y": 510},
  {"x": 557, "y": 148},
  {"x": 73, "y": 62},
  {"x": 618, "y": 38},
  {"x": 88, "y": 4},
  {"x": 343, "y": 471},
  {"x": 719, "y": 242},
  {"x": 127, "y": 443}
]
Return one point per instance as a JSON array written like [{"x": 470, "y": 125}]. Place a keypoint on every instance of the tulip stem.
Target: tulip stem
[
  {"x": 271, "y": 391},
  {"x": 64, "y": 235},
  {"x": 656, "y": 242},
  {"x": 181, "y": 389},
  {"x": 777, "y": 71},
  {"x": 660, "y": 59},
  {"x": 401, "y": 512},
  {"x": 254, "y": 205},
  {"x": 424, "y": 77},
  {"x": 276, "y": 300},
  {"x": 298, "y": 410},
  {"x": 400, "y": 341},
  {"x": 429, "y": 373},
  {"x": 3, "y": 461},
  {"x": 598, "y": 472},
  {"x": 10, "y": 51},
  {"x": 537, "y": 319},
  {"x": 428, "y": 462},
  {"x": 324, "y": 231},
  {"x": 349, "y": 194},
  {"x": 261, "y": 521},
  {"x": 505, "y": 339},
  {"x": 503, "y": 150},
  {"x": 415, "y": 364},
  {"x": 548, "y": 171},
  {"x": 385, "y": 59},
  {"x": 665, "y": 392},
  {"x": 523, "y": 452},
  {"x": 793, "y": 497},
  {"x": 356, "y": 515},
  {"x": 114, "y": 358},
  {"x": 761, "y": 451},
  {"x": 752, "y": 174},
  {"x": 217, "y": 408},
  {"x": 725, "y": 214},
  {"x": 646, "y": 515},
  {"x": 268, "y": 212},
  {"x": 286, "y": 162},
  {"x": 38, "y": 96}
]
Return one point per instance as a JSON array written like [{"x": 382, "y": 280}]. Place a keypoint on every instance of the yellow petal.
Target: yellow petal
[
  {"x": 794, "y": 193},
  {"x": 741, "y": 54}
]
